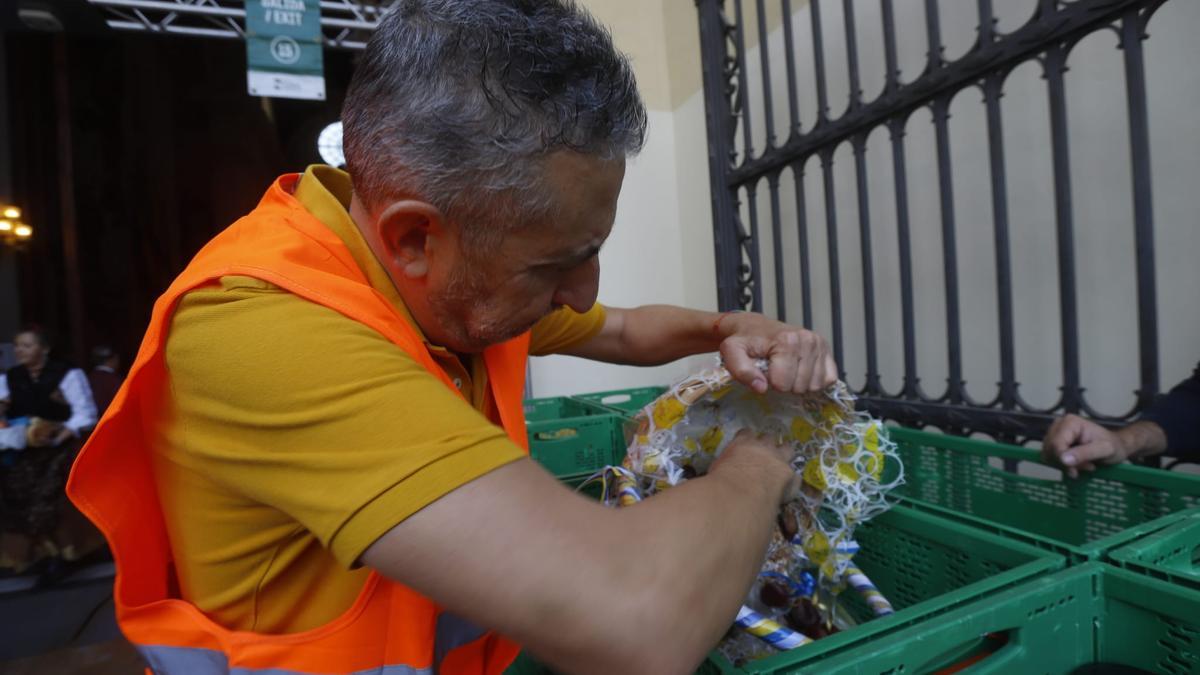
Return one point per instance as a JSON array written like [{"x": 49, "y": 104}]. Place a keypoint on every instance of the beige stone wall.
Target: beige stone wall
[
  {"x": 662, "y": 38},
  {"x": 661, "y": 249},
  {"x": 638, "y": 31}
]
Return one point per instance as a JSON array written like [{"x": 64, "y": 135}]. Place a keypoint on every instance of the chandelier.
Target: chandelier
[{"x": 13, "y": 232}]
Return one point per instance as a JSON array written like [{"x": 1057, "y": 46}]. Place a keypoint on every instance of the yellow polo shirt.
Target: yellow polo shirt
[{"x": 297, "y": 437}]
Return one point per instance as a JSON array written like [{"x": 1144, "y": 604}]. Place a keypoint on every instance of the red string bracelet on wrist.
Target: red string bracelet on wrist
[{"x": 717, "y": 324}]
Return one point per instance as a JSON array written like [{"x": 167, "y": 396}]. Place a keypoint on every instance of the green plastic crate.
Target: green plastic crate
[
  {"x": 1082, "y": 518},
  {"x": 1051, "y": 625},
  {"x": 923, "y": 564},
  {"x": 573, "y": 439},
  {"x": 559, "y": 408},
  {"x": 1172, "y": 553},
  {"x": 624, "y": 401},
  {"x": 577, "y": 447}
]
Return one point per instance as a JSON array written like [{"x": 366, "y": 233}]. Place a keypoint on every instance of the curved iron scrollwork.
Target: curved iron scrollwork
[
  {"x": 722, "y": 50},
  {"x": 1048, "y": 38}
]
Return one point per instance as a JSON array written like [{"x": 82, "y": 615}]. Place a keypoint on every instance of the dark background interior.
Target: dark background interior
[{"x": 159, "y": 146}]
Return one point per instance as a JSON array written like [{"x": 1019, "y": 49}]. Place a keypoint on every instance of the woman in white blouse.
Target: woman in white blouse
[{"x": 52, "y": 403}]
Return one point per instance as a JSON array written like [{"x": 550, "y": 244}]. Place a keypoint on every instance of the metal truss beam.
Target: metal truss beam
[{"x": 345, "y": 24}]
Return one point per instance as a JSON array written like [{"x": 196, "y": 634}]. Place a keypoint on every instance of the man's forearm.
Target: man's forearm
[
  {"x": 652, "y": 335},
  {"x": 699, "y": 583},
  {"x": 1142, "y": 439},
  {"x": 648, "y": 589}
]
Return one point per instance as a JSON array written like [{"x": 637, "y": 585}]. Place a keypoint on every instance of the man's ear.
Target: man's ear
[{"x": 404, "y": 228}]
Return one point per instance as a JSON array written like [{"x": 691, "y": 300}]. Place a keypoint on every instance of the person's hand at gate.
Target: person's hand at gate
[
  {"x": 1077, "y": 444},
  {"x": 1170, "y": 425},
  {"x": 798, "y": 360}
]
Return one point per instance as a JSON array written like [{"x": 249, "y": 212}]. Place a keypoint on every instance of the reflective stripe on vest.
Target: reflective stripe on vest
[
  {"x": 195, "y": 661},
  {"x": 453, "y": 632}
]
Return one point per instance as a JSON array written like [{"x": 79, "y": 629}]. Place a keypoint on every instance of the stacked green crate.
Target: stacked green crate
[
  {"x": 1172, "y": 553},
  {"x": 573, "y": 439},
  {"x": 1057, "y": 623},
  {"x": 924, "y": 565},
  {"x": 625, "y": 402},
  {"x": 980, "y": 545},
  {"x": 556, "y": 408},
  {"x": 1081, "y": 518}
]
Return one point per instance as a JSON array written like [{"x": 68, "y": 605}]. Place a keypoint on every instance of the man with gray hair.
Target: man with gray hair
[{"x": 316, "y": 463}]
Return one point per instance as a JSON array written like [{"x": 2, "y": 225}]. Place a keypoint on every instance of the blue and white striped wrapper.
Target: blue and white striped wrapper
[
  {"x": 627, "y": 490},
  {"x": 772, "y": 632},
  {"x": 870, "y": 594}
]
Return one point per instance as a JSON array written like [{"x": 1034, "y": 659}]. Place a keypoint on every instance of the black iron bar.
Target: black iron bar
[
  {"x": 802, "y": 234},
  {"x": 912, "y": 389},
  {"x": 933, "y": 34},
  {"x": 987, "y": 24},
  {"x": 852, "y": 55},
  {"x": 1143, "y": 205},
  {"x": 831, "y": 234},
  {"x": 1055, "y": 67},
  {"x": 789, "y": 48},
  {"x": 941, "y": 125},
  {"x": 890, "y": 61},
  {"x": 819, "y": 62},
  {"x": 873, "y": 385},
  {"x": 993, "y": 88},
  {"x": 765, "y": 61},
  {"x": 721, "y": 121},
  {"x": 777, "y": 248},
  {"x": 750, "y": 244}
]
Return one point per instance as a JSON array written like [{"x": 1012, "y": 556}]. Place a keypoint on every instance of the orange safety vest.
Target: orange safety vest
[{"x": 391, "y": 629}]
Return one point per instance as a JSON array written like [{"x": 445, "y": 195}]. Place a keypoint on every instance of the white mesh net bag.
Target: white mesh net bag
[{"x": 840, "y": 456}]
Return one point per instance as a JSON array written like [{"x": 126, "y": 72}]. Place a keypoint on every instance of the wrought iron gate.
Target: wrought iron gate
[{"x": 1047, "y": 38}]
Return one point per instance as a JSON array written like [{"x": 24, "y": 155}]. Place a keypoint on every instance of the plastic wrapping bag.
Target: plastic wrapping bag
[{"x": 846, "y": 464}]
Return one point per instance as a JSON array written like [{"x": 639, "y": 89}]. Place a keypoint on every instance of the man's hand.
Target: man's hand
[
  {"x": 1078, "y": 444},
  {"x": 799, "y": 360},
  {"x": 764, "y": 462}
]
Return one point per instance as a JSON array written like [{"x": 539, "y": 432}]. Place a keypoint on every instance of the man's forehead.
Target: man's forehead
[{"x": 585, "y": 195}]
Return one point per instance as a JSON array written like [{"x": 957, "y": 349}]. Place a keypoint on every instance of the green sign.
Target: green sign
[{"x": 284, "y": 50}]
